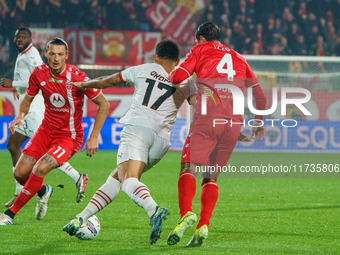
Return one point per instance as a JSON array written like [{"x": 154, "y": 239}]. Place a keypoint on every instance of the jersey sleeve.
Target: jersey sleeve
[
  {"x": 186, "y": 69},
  {"x": 251, "y": 80},
  {"x": 128, "y": 75},
  {"x": 89, "y": 92},
  {"x": 33, "y": 85}
]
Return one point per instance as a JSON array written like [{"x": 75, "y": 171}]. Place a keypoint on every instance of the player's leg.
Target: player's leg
[
  {"x": 144, "y": 149},
  {"x": 102, "y": 198},
  {"x": 186, "y": 193},
  {"x": 80, "y": 179},
  {"x": 186, "y": 181},
  {"x": 14, "y": 147},
  {"x": 22, "y": 170},
  {"x": 227, "y": 139},
  {"x": 197, "y": 149}
]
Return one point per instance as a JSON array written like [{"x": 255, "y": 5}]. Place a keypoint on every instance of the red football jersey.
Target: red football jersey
[
  {"x": 63, "y": 101},
  {"x": 214, "y": 63}
]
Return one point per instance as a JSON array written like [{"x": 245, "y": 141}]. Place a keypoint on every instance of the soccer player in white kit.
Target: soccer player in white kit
[
  {"x": 145, "y": 137},
  {"x": 28, "y": 59}
]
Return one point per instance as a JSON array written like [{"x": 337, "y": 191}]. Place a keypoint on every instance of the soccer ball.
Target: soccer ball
[{"x": 89, "y": 229}]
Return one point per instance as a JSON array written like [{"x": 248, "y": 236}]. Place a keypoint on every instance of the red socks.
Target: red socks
[
  {"x": 209, "y": 197},
  {"x": 32, "y": 186},
  {"x": 186, "y": 192}
]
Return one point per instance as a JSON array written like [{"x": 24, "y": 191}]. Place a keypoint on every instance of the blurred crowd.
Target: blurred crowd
[{"x": 277, "y": 27}]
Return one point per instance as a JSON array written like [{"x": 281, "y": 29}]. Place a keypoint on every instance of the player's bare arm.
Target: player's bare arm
[
  {"x": 6, "y": 83},
  {"x": 103, "y": 109},
  {"x": 258, "y": 130},
  {"x": 101, "y": 82},
  {"x": 23, "y": 110},
  {"x": 244, "y": 137}
]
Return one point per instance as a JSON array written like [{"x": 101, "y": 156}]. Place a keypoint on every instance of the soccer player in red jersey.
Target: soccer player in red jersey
[
  {"x": 60, "y": 135},
  {"x": 210, "y": 143}
]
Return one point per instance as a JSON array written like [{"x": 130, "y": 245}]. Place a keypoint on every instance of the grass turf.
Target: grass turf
[{"x": 252, "y": 215}]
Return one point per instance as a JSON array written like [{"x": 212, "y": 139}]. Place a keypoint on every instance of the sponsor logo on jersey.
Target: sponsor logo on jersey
[
  {"x": 57, "y": 100},
  {"x": 68, "y": 85},
  {"x": 55, "y": 80},
  {"x": 86, "y": 79},
  {"x": 43, "y": 83}
]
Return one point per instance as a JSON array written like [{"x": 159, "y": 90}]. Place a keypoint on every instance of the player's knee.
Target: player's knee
[
  {"x": 12, "y": 147},
  {"x": 40, "y": 170},
  {"x": 21, "y": 177}
]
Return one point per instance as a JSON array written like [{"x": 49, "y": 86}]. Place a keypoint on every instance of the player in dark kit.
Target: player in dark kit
[
  {"x": 219, "y": 70},
  {"x": 60, "y": 135}
]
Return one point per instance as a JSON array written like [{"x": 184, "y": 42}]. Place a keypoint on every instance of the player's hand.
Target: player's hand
[
  {"x": 16, "y": 95},
  {"x": 244, "y": 137},
  {"x": 258, "y": 131},
  {"x": 78, "y": 85},
  {"x": 92, "y": 146},
  {"x": 15, "y": 122},
  {"x": 6, "y": 83}
]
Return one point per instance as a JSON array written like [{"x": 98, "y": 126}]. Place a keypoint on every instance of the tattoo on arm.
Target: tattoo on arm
[{"x": 103, "y": 82}]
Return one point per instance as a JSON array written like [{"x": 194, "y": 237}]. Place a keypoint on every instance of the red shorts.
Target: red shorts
[
  {"x": 208, "y": 145},
  {"x": 62, "y": 148}
]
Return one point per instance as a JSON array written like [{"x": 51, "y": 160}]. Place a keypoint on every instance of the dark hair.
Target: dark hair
[
  {"x": 20, "y": 29},
  {"x": 57, "y": 41},
  {"x": 167, "y": 49},
  {"x": 209, "y": 30}
]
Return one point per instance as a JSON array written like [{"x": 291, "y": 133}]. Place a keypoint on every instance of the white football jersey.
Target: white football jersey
[
  {"x": 155, "y": 100},
  {"x": 26, "y": 62}
]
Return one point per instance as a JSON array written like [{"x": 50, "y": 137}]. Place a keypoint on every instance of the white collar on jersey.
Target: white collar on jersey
[{"x": 27, "y": 49}]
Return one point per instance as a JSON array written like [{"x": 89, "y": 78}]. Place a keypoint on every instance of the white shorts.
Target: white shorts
[
  {"x": 30, "y": 124},
  {"x": 143, "y": 144}
]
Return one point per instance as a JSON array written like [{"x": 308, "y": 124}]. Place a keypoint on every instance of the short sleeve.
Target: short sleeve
[
  {"x": 251, "y": 78},
  {"x": 128, "y": 75},
  {"x": 91, "y": 93},
  {"x": 33, "y": 85}
]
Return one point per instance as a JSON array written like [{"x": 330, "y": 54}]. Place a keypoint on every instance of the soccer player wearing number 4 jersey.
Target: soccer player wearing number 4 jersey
[
  {"x": 145, "y": 137},
  {"x": 210, "y": 142},
  {"x": 60, "y": 135}
]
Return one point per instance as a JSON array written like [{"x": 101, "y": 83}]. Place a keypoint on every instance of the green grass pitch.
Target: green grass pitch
[{"x": 252, "y": 215}]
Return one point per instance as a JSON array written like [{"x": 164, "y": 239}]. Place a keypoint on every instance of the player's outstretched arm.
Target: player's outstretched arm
[
  {"x": 103, "y": 108},
  {"x": 258, "y": 130},
  {"x": 101, "y": 82},
  {"x": 6, "y": 83},
  {"x": 23, "y": 110},
  {"x": 244, "y": 137}
]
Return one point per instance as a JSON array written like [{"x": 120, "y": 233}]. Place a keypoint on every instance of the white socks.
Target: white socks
[
  {"x": 66, "y": 168},
  {"x": 140, "y": 194},
  {"x": 18, "y": 186},
  {"x": 103, "y": 196}
]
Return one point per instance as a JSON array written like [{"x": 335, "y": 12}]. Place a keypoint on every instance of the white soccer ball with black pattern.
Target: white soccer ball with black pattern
[{"x": 89, "y": 230}]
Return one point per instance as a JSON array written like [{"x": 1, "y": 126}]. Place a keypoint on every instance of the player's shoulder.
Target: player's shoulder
[
  {"x": 75, "y": 72},
  {"x": 237, "y": 55},
  {"x": 39, "y": 70},
  {"x": 73, "y": 69}
]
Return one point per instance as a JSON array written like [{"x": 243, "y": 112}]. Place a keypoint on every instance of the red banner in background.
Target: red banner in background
[
  {"x": 177, "y": 19},
  {"x": 114, "y": 48}
]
